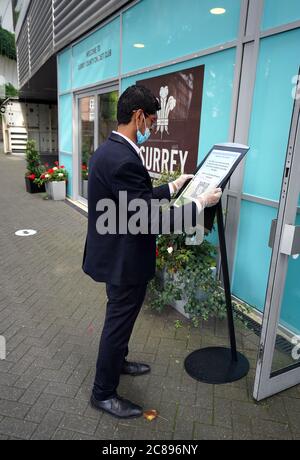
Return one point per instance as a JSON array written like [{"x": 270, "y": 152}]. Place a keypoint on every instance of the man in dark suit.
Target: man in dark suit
[{"x": 126, "y": 261}]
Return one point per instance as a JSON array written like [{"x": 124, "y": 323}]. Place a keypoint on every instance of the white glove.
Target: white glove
[
  {"x": 211, "y": 197},
  {"x": 178, "y": 183}
]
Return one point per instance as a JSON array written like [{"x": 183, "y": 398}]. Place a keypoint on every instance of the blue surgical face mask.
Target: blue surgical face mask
[{"x": 142, "y": 138}]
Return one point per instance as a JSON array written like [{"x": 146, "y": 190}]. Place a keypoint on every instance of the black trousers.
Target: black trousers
[{"x": 123, "y": 306}]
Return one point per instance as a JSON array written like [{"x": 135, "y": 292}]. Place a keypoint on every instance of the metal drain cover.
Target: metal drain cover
[{"x": 25, "y": 233}]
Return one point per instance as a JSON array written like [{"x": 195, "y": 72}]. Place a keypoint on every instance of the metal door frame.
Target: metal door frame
[
  {"x": 103, "y": 89},
  {"x": 266, "y": 382}
]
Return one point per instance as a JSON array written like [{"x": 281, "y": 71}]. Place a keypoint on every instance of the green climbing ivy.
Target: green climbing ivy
[
  {"x": 7, "y": 44},
  {"x": 10, "y": 90}
]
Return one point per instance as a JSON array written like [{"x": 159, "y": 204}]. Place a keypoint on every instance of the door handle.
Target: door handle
[
  {"x": 290, "y": 241},
  {"x": 272, "y": 233}
]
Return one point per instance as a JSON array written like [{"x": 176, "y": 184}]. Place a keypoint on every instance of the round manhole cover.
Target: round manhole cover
[{"x": 25, "y": 233}]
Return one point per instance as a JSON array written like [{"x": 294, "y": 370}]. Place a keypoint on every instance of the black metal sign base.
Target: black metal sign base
[
  {"x": 216, "y": 366},
  {"x": 219, "y": 365}
]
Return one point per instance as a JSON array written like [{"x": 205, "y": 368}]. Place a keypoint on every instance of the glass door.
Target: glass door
[
  {"x": 278, "y": 366},
  {"x": 97, "y": 117},
  {"x": 86, "y": 139}
]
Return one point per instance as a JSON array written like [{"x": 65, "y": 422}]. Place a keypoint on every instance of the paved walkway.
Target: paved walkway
[{"x": 51, "y": 315}]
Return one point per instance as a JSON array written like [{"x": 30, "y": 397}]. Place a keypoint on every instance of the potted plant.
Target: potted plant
[
  {"x": 34, "y": 169},
  {"x": 186, "y": 278},
  {"x": 55, "y": 180},
  {"x": 84, "y": 177}
]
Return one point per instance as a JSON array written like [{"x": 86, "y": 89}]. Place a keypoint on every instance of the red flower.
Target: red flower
[
  {"x": 56, "y": 163},
  {"x": 157, "y": 252},
  {"x": 31, "y": 177},
  {"x": 46, "y": 165},
  {"x": 50, "y": 171},
  {"x": 62, "y": 167},
  {"x": 84, "y": 168},
  {"x": 43, "y": 176}
]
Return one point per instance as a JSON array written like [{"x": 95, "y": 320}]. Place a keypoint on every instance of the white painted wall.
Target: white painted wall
[
  {"x": 8, "y": 67},
  {"x": 8, "y": 70},
  {"x": 7, "y": 15}
]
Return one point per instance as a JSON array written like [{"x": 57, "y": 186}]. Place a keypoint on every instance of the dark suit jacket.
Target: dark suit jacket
[{"x": 115, "y": 258}]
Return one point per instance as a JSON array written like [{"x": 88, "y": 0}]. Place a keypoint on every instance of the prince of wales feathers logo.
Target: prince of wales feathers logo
[{"x": 167, "y": 106}]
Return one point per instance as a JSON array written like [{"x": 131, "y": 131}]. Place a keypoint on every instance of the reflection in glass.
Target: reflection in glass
[
  {"x": 287, "y": 350},
  {"x": 86, "y": 144},
  {"x": 108, "y": 103}
]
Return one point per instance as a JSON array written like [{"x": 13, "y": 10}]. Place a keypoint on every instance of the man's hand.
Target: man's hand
[
  {"x": 178, "y": 183},
  {"x": 211, "y": 197}
]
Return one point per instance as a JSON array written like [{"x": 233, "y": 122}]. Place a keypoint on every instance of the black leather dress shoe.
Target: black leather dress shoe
[
  {"x": 135, "y": 368},
  {"x": 118, "y": 407}
]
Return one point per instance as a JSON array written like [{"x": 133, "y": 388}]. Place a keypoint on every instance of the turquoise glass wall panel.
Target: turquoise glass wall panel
[
  {"x": 290, "y": 310},
  {"x": 65, "y": 123},
  {"x": 217, "y": 95},
  {"x": 169, "y": 29},
  {"x": 67, "y": 161},
  {"x": 253, "y": 255},
  {"x": 278, "y": 12},
  {"x": 64, "y": 63},
  {"x": 279, "y": 62},
  {"x": 97, "y": 57}
]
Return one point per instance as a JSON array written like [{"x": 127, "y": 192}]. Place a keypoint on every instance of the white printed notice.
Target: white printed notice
[{"x": 211, "y": 174}]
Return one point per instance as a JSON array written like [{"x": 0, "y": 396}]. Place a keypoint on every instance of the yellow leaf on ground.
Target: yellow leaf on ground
[{"x": 151, "y": 415}]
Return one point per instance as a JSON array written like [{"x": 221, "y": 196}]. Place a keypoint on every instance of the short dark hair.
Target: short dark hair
[{"x": 134, "y": 98}]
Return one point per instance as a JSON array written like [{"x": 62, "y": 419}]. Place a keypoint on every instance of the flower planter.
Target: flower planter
[
  {"x": 56, "y": 190},
  {"x": 47, "y": 187},
  {"x": 31, "y": 187},
  {"x": 85, "y": 189},
  {"x": 179, "y": 305}
]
